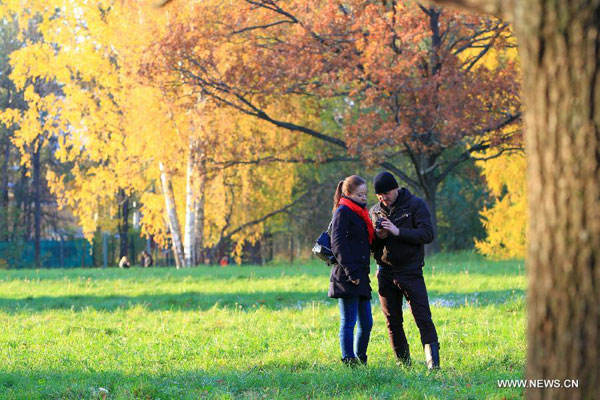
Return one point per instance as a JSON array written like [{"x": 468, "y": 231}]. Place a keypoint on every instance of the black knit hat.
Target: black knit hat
[{"x": 384, "y": 182}]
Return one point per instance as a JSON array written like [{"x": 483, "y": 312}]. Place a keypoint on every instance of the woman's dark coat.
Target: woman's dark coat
[{"x": 350, "y": 245}]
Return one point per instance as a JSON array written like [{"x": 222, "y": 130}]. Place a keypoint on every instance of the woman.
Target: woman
[{"x": 351, "y": 235}]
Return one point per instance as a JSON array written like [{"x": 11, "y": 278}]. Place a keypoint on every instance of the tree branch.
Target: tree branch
[
  {"x": 500, "y": 8},
  {"x": 466, "y": 155},
  {"x": 255, "y": 110},
  {"x": 264, "y": 217},
  {"x": 481, "y": 146},
  {"x": 407, "y": 179},
  {"x": 251, "y": 28},
  {"x": 273, "y": 159},
  {"x": 271, "y": 5}
]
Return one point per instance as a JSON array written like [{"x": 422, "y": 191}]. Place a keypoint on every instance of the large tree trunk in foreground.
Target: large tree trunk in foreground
[
  {"x": 560, "y": 51},
  {"x": 167, "y": 188},
  {"x": 560, "y": 48}
]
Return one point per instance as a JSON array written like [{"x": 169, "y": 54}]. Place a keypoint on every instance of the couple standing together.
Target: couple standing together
[{"x": 395, "y": 231}]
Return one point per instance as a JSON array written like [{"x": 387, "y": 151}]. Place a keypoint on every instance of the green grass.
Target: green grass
[{"x": 248, "y": 332}]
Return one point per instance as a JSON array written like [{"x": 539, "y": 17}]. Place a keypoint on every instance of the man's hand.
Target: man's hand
[
  {"x": 382, "y": 233},
  {"x": 389, "y": 226},
  {"x": 356, "y": 281}
]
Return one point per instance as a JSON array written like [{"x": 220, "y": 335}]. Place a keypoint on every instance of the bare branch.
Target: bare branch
[
  {"x": 500, "y": 8},
  {"x": 271, "y": 5},
  {"x": 272, "y": 159},
  {"x": 252, "y": 109},
  {"x": 265, "y": 217},
  {"x": 499, "y": 153},
  {"x": 398, "y": 172},
  {"x": 251, "y": 28}
]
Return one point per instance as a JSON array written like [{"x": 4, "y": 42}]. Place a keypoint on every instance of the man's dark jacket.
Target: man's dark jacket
[
  {"x": 405, "y": 252},
  {"x": 350, "y": 245}
]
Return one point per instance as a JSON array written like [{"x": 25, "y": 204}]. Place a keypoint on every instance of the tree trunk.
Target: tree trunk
[
  {"x": 123, "y": 225},
  {"x": 4, "y": 199},
  {"x": 172, "y": 217},
  {"x": 428, "y": 183},
  {"x": 560, "y": 49},
  {"x": 292, "y": 249},
  {"x": 37, "y": 201},
  {"x": 559, "y": 45},
  {"x": 189, "y": 242},
  {"x": 433, "y": 247},
  {"x": 21, "y": 214},
  {"x": 199, "y": 224}
]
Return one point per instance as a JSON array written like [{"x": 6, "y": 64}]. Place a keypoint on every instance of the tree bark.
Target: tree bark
[
  {"x": 167, "y": 188},
  {"x": 559, "y": 45},
  {"x": 560, "y": 49}
]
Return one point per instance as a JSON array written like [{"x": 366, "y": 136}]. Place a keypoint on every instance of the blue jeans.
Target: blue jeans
[{"x": 351, "y": 309}]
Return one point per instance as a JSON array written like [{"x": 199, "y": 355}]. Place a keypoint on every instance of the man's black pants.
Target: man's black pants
[{"x": 393, "y": 286}]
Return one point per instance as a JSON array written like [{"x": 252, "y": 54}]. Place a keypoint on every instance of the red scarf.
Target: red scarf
[{"x": 362, "y": 213}]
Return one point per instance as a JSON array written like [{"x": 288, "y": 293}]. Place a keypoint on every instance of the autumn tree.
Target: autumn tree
[
  {"x": 126, "y": 138},
  {"x": 505, "y": 221},
  {"x": 10, "y": 97},
  {"x": 32, "y": 119},
  {"x": 403, "y": 80},
  {"x": 558, "y": 43}
]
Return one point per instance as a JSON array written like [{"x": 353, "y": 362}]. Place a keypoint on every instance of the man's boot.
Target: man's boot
[
  {"x": 432, "y": 355},
  {"x": 363, "y": 359},
  {"x": 403, "y": 357}
]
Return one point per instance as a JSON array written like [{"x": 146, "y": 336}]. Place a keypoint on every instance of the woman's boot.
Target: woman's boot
[{"x": 350, "y": 361}]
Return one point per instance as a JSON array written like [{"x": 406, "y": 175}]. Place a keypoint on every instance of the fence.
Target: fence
[
  {"x": 70, "y": 253},
  {"x": 53, "y": 254},
  {"x": 104, "y": 250}
]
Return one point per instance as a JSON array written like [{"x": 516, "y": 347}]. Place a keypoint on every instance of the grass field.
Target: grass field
[{"x": 248, "y": 332}]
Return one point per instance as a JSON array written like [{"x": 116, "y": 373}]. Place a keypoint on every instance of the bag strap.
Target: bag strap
[{"x": 331, "y": 222}]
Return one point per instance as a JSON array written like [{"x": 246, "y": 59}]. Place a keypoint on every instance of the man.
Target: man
[{"x": 403, "y": 226}]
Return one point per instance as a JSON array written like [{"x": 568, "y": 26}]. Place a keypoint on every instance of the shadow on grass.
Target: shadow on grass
[
  {"x": 439, "y": 264},
  {"x": 169, "y": 274},
  {"x": 275, "y": 300},
  {"x": 264, "y": 381},
  {"x": 169, "y": 301}
]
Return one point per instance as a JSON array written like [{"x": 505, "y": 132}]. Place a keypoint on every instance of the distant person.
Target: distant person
[
  {"x": 402, "y": 228},
  {"x": 147, "y": 260},
  {"x": 351, "y": 235},
  {"x": 224, "y": 261},
  {"x": 124, "y": 262}
]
